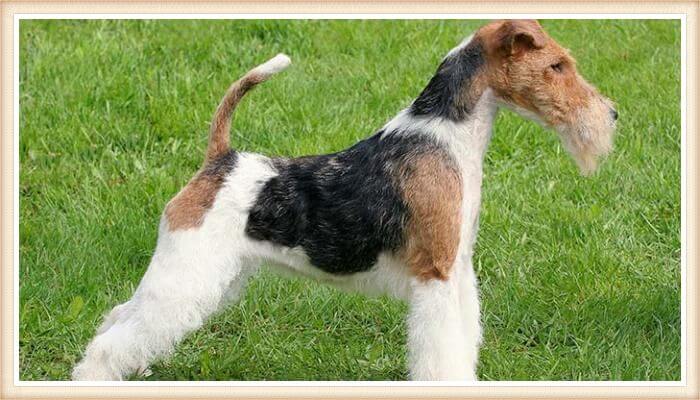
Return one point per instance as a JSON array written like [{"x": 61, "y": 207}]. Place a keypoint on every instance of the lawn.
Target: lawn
[{"x": 580, "y": 277}]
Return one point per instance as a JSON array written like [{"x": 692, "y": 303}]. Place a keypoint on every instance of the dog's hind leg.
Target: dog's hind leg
[
  {"x": 197, "y": 266},
  {"x": 189, "y": 278},
  {"x": 236, "y": 288}
]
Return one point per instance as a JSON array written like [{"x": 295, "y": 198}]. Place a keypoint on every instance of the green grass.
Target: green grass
[{"x": 580, "y": 277}]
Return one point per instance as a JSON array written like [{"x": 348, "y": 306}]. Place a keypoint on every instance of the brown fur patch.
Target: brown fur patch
[
  {"x": 221, "y": 123},
  {"x": 521, "y": 57},
  {"x": 477, "y": 86},
  {"x": 528, "y": 69},
  {"x": 186, "y": 210},
  {"x": 432, "y": 189}
]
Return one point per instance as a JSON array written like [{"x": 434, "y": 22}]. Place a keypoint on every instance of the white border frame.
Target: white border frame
[{"x": 374, "y": 16}]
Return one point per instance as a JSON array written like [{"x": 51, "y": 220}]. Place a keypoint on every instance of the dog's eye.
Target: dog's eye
[{"x": 558, "y": 67}]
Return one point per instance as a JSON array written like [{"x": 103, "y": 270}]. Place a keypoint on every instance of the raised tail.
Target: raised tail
[{"x": 221, "y": 123}]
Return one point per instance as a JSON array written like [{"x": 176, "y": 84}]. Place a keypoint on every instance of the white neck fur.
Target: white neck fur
[{"x": 468, "y": 139}]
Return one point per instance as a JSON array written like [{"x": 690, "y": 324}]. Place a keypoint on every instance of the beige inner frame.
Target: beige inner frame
[{"x": 386, "y": 9}]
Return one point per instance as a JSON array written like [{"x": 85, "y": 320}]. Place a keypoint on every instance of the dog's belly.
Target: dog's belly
[{"x": 387, "y": 276}]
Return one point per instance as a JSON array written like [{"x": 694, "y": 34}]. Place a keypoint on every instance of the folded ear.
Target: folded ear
[{"x": 516, "y": 36}]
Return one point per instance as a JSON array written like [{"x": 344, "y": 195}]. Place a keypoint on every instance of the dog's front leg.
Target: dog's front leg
[
  {"x": 437, "y": 349},
  {"x": 471, "y": 311}
]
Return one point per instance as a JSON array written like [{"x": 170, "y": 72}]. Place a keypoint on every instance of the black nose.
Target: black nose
[{"x": 613, "y": 112}]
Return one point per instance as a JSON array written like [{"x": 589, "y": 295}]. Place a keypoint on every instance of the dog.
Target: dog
[{"x": 396, "y": 213}]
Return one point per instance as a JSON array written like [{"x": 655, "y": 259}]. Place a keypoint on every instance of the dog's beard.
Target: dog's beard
[{"x": 590, "y": 136}]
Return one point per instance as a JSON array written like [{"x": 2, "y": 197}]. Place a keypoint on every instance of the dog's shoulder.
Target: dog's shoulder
[{"x": 432, "y": 191}]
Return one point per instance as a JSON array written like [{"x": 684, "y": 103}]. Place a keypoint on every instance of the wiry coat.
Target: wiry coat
[{"x": 396, "y": 213}]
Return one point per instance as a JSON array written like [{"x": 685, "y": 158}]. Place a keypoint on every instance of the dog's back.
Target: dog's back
[{"x": 342, "y": 209}]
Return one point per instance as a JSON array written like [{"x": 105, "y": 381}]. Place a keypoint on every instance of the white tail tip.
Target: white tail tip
[{"x": 274, "y": 65}]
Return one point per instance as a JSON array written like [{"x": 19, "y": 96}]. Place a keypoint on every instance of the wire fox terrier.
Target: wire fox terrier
[{"x": 396, "y": 213}]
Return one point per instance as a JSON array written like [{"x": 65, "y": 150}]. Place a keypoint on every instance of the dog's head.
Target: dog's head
[{"x": 537, "y": 78}]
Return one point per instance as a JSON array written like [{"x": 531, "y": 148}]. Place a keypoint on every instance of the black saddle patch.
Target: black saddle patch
[{"x": 342, "y": 209}]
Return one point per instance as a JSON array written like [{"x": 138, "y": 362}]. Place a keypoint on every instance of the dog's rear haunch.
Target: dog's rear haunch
[{"x": 395, "y": 213}]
